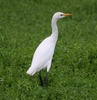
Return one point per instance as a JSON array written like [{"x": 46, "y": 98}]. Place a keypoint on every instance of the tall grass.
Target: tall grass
[{"x": 23, "y": 25}]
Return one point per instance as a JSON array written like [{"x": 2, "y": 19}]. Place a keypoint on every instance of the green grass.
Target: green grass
[{"x": 23, "y": 25}]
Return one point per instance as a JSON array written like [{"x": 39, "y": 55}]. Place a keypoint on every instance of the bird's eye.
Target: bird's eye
[{"x": 61, "y": 14}]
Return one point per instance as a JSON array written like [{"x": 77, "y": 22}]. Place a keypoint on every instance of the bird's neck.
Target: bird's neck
[{"x": 54, "y": 29}]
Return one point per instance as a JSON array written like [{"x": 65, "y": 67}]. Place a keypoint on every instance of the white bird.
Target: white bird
[{"x": 44, "y": 53}]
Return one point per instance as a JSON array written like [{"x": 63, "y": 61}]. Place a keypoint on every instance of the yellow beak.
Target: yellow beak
[{"x": 67, "y": 14}]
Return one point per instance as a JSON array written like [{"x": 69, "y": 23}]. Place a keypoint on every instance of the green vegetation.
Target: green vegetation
[{"x": 23, "y": 25}]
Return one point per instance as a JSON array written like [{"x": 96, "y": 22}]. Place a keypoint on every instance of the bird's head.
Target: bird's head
[{"x": 59, "y": 15}]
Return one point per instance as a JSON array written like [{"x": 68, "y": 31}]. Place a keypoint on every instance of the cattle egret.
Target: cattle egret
[{"x": 44, "y": 53}]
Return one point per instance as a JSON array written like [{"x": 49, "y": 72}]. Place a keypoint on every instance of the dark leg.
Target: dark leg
[
  {"x": 40, "y": 77},
  {"x": 46, "y": 79}
]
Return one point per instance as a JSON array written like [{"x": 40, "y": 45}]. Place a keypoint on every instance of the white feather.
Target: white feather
[{"x": 44, "y": 53}]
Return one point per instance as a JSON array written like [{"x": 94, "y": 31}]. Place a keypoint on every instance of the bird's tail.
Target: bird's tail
[{"x": 30, "y": 71}]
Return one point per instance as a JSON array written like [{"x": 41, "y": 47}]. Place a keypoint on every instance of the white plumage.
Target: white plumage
[{"x": 43, "y": 55}]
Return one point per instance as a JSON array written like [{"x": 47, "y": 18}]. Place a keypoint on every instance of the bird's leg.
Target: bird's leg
[
  {"x": 46, "y": 79},
  {"x": 40, "y": 77}
]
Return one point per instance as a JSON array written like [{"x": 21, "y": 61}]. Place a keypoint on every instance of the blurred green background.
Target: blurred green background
[{"x": 23, "y": 25}]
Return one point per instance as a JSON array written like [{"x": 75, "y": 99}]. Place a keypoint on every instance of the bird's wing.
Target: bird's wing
[
  {"x": 42, "y": 55},
  {"x": 44, "y": 52}
]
